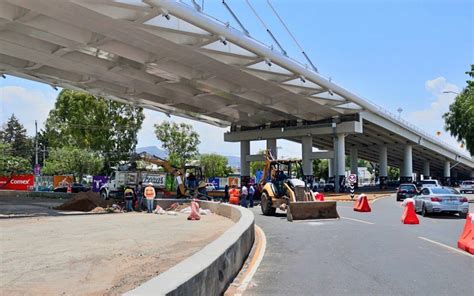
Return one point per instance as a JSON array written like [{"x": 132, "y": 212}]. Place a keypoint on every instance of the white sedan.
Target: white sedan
[{"x": 441, "y": 200}]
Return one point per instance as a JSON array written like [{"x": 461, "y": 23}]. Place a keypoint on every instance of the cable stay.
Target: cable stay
[
  {"x": 246, "y": 32},
  {"x": 266, "y": 28},
  {"x": 292, "y": 36}
]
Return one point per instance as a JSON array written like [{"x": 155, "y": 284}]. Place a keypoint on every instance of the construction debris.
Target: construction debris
[{"x": 83, "y": 202}]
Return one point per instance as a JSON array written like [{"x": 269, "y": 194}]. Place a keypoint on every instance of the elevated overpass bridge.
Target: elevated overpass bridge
[{"x": 171, "y": 57}]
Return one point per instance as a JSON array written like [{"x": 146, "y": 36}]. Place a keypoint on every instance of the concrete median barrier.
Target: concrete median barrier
[
  {"x": 212, "y": 269},
  {"x": 37, "y": 194}
]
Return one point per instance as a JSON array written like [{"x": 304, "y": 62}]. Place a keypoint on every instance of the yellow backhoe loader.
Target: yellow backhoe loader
[
  {"x": 281, "y": 187},
  {"x": 189, "y": 178}
]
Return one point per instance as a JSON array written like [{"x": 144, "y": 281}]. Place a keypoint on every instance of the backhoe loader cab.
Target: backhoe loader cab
[{"x": 281, "y": 187}]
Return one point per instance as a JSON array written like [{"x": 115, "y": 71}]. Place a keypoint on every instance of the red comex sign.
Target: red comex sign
[{"x": 18, "y": 182}]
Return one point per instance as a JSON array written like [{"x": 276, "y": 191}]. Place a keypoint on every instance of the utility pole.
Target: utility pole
[{"x": 36, "y": 153}]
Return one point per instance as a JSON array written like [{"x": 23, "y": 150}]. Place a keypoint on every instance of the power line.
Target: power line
[
  {"x": 266, "y": 28},
  {"x": 292, "y": 36}
]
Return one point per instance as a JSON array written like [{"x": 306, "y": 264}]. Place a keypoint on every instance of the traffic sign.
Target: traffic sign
[
  {"x": 352, "y": 178},
  {"x": 37, "y": 170}
]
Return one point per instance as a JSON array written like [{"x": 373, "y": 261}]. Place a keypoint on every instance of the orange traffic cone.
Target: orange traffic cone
[
  {"x": 362, "y": 204},
  {"x": 409, "y": 215},
  {"x": 194, "y": 211},
  {"x": 466, "y": 240}
]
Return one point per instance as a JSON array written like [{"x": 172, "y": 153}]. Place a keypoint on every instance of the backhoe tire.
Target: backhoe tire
[{"x": 266, "y": 205}]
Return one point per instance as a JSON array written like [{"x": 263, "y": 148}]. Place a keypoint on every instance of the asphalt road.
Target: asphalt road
[{"x": 373, "y": 255}]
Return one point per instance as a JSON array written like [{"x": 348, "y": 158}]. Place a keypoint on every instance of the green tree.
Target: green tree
[
  {"x": 459, "y": 120},
  {"x": 67, "y": 160},
  {"x": 320, "y": 169},
  {"x": 393, "y": 173},
  {"x": 87, "y": 122},
  {"x": 214, "y": 165},
  {"x": 14, "y": 133},
  {"x": 180, "y": 140},
  {"x": 257, "y": 165},
  {"x": 10, "y": 164}
]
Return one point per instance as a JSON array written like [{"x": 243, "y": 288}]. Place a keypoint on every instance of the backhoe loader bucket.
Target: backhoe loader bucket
[{"x": 302, "y": 210}]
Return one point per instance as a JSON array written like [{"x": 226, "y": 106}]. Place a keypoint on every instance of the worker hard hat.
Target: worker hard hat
[{"x": 150, "y": 184}]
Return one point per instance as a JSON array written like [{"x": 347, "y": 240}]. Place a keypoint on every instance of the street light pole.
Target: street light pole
[{"x": 36, "y": 154}]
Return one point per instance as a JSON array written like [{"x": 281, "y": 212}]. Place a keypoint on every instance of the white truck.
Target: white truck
[{"x": 118, "y": 180}]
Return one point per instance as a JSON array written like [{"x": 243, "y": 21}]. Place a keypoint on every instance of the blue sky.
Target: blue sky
[{"x": 401, "y": 53}]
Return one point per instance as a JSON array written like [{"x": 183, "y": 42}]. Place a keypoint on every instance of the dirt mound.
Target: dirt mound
[{"x": 83, "y": 202}]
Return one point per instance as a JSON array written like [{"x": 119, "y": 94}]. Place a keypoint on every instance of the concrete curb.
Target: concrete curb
[{"x": 212, "y": 269}]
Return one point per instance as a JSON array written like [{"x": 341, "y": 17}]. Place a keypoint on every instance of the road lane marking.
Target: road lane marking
[
  {"x": 381, "y": 197},
  {"x": 446, "y": 246},
  {"x": 357, "y": 220},
  {"x": 254, "y": 263}
]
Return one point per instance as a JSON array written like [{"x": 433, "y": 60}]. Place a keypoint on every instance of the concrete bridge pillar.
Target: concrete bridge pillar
[
  {"x": 354, "y": 164},
  {"x": 306, "y": 150},
  {"x": 407, "y": 169},
  {"x": 426, "y": 170},
  {"x": 272, "y": 146},
  {"x": 447, "y": 173},
  {"x": 244, "y": 164},
  {"x": 330, "y": 168},
  {"x": 354, "y": 159},
  {"x": 383, "y": 169},
  {"x": 340, "y": 166}
]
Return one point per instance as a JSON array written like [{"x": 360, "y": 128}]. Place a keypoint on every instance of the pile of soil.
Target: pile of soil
[{"x": 83, "y": 202}]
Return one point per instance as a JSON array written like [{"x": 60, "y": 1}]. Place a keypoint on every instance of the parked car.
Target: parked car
[
  {"x": 429, "y": 183},
  {"x": 75, "y": 188},
  {"x": 329, "y": 187},
  {"x": 406, "y": 191},
  {"x": 441, "y": 200},
  {"x": 467, "y": 186}
]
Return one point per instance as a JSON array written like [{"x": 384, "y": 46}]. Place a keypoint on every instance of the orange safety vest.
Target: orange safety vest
[
  {"x": 234, "y": 196},
  {"x": 149, "y": 192}
]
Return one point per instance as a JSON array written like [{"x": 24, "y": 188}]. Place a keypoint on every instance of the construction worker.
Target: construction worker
[
  {"x": 244, "y": 193},
  {"x": 150, "y": 197},
  {"x": 251, "y": 195},
  {"x": 139, "y": 193},
  {"x": 128, "y": 195},
  {"x": 234, "y": 195}
]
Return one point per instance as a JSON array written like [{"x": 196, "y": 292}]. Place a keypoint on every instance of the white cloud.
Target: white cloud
[
  {"x": 28, "y": 105},
  {"x": 430, "y": 119}
]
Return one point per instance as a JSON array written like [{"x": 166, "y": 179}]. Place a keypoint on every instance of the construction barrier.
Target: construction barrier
[
  {"x": 362, "y": 204},
  {"x": 17, "y": 182},
  {"x": 409, "y": 215},
  {"x": 466, "y": 240}
]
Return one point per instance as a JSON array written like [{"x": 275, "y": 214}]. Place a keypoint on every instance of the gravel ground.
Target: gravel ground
[{"x": 92, "y": 254}]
